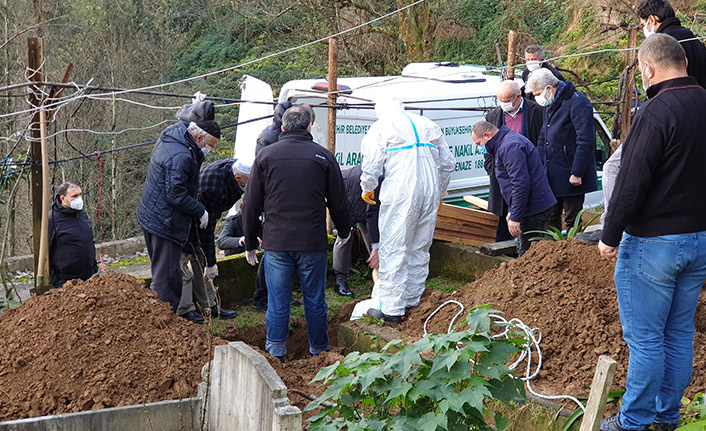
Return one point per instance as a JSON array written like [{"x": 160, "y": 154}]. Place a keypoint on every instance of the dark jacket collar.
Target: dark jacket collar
[
  {"x": 181, "y": 130},
  {"x": 494, "y": 142},
  {"x": 58, "y": 207},
  {"x": 297, "y": 134},
  {"x": 656, "y": 89},
  {"x": 668, "y": 22},
  {"x": 564, "y": 91}
]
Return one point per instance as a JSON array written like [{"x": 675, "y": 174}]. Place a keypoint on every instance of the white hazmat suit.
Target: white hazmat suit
[{"x": 417, "y": 163}]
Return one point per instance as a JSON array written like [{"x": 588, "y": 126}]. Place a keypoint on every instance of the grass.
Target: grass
[
  {"x": 126, "y": 262},
  {"x": 443, "y": 284}
]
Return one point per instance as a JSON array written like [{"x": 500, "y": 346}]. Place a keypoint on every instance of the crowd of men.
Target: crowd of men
[{"x": 539, "y": 146}]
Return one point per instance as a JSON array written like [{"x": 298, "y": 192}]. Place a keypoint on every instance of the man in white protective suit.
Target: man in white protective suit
[{"x": 411, "y": 151}]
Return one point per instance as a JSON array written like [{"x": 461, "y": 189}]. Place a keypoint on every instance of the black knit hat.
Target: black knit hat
[{"x": 210, "y": 127}]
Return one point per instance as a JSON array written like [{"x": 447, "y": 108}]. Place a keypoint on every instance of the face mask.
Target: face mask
[
  {"x": 77, "y": 204},
  {"x": 647, "y": 32},
  {"x": 544, "y": 99},
  {"x": 507, "y": 106},
  {"x": 645, "y": 80},
  {"x": 206, "y": 149},
  {"x": 532, "y": 65}
]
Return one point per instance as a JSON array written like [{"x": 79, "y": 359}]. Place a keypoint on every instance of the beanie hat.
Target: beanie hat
[{"x": 210, "y": 127}]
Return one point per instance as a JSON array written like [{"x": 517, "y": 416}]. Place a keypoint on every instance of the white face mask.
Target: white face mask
[
  {"x": 507, "y": 106},
  {"x": 206, "y": 149},
  {"x": 544, "y": 99},
  {"x": 532, "y": 65},
  {"x": 645, "y": 80},
  {"x": 77, "y": 204},
  {"x": 647, "y": 32}
]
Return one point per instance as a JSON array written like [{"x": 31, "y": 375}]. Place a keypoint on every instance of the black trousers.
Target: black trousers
[
  {"x": 166, "y": 273},
  {"x": 569, "y": 206},
  {"x": 260, "y": 295},
  {"x": 502, "y": 233},
  {"x": 533, "y": 222}
]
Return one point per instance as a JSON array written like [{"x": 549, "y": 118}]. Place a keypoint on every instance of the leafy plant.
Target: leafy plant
[
  {"x": 9, "y": 300},
  {"x": 443, "y": 381},
  {"x": 555, "y": 234},
  {"x": 693, "y": 411}
]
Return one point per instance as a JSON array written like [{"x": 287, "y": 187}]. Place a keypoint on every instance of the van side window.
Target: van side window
[{"x": 602, "y": 145}]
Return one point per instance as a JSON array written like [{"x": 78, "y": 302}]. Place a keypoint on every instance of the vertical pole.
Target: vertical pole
[
  {"x": 332, "y": 95},
  {"x": 35, "y": 59},
  {"x": 628, "y": 84},
  {"x": 511, "y": 51},
  {"x": 602, "y": 379},
  {"x": 42, "y": 280}
]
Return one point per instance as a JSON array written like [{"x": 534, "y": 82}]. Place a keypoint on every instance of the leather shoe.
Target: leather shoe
[
  {"x": 658, "y": 426},
  {"x": 613, "y": 424},
  {"x": 192, "y": 316},
  {"x": 222, "y": 314},
  {"x": 341, "y": 288},
  {"x": 259, "y": 307},
  {"x": 378, "y": 314}
]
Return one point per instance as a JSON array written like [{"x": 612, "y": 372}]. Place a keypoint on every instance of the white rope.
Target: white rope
[{"x": 533, "y": 337}]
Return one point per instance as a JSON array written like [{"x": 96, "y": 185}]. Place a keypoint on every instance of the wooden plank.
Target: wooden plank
[
  {"x": 475, "y": 200},
  {"x": 600, "y": 387},
  {"x": 499, "y": 248},
  {"x": 467, "y": 213},
  {"x": 456, "y": 239},
  {"x": 480, "y": 237},
  {"x": 466, "y": 229},
  {"x": 485, "y": 224}
]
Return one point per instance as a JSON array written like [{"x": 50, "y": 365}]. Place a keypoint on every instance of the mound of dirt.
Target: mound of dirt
[
  {"x": 565, "y": 289},
  {"x": 105, "y": 342}
]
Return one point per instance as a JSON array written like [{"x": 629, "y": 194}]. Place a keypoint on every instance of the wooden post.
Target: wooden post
[
  {"x": 35, "y": 59},
  {"x": 600, "y": 387},
  {"x": 629, "y": 83},
  {"x": 42, "y": 279},
  {"x": 511, "y": 52},
  {"x": 332, "y": 95}
]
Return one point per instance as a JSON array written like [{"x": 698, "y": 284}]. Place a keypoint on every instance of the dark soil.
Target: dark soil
[
  {"x": 105, "y": 342},
  {"x": 565, "y": 289}
]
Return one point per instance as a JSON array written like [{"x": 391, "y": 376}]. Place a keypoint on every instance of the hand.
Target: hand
[
  {"x": 211, "y": 272},
  {"x": 251, "y": 257},
  {"x": 514, "y": 228},
  {"x": 607, "y": 251},
  {"x": 259, "y": 240},
  {"x": 204, "y": 220},
  {"x": 575, "y": 181},
  {"x": 374, "y": 259},
  {"x": 369, "y": 197}
]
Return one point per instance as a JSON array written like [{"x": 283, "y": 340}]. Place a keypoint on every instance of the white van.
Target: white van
[{"x": 455, "y": 97}]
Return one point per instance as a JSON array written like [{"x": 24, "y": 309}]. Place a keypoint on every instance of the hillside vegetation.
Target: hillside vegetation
[{"x": 138, "y": 43}]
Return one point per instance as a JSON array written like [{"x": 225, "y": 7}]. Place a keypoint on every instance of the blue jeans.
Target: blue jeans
[
  {"x": 658, "y": 280},
  {"x": 280, "y": 267}
]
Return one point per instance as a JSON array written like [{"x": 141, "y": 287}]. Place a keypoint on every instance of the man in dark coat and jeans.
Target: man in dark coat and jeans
[
  {"x": 292, "y": 182},
  {"x": 71, "y": 250},
  {"x": 168, "y": 203},
  {"x": 522, "y": 179},
  {"x": 566, "y": 144},
  {"x": 524, "y": 117},
  {"x": 656, "y": 227}
]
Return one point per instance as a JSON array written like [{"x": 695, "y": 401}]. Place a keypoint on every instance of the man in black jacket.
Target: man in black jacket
[
  {"x": 270, "y": 134},
  {"x": 366, "y": 216},
  {"x": 660, "y": 203},
  {"x": 524, "y": 117},
  {"x": 292, "y": 183},
  {"x": 71, "y": 250},
  {"x": 168, "y": 204},
  {"x": 534, "y": 59},
  {"x": 657, "y": 16}
]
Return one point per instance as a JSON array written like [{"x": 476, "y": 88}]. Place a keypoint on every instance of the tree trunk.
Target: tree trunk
[{"x": 416, "y": 31}]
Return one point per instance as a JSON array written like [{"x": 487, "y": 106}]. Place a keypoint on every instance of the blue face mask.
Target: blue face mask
[{"x": 482, "y": 149}]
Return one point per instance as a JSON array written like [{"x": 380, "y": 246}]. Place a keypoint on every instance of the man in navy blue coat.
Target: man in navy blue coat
[
  {"x": 567, "y": 144},
  {"x": 168, "y": 203},
  {"x": 522, "y": 179}
]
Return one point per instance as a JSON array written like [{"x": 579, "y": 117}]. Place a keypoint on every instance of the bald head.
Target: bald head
[
  {"x": 509, "y": 96},
  {"x": 661, "y": 58}
]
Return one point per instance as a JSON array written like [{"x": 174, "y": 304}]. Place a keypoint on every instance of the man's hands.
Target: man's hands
[
  {"x": 369, "y": 197},
  {"x": 211, "y": 272},
  {"x": 204, "y": 220},
  {"x": 575, "y": 181},
  {"x": 607, "y": 251},
  {"x": 374, "y": 259},
  {"x": 251, "y": 257},
  {"x": 513, "y": 227}
]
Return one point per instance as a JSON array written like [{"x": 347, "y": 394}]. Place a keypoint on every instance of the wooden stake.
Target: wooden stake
[
  {"x": 600, "y": 387},
  {"x": 511, "y": 52},
  {"x": 35, "y": 59},
  {"x": 42, "y": 280},
  {"x": 332, "y": 95}
]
